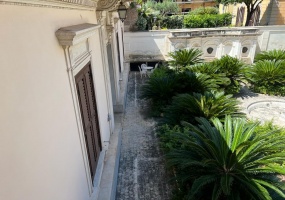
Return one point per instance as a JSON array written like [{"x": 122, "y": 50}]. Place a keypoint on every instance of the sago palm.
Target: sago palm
[
  {"x": 184, "y": 57},
  {"x": 267, "y": 72},
  {"x": 185, "y": 107},
  {"x": 273, "y": 55},
  {"x": 233, "y": 69},
  {"x": 229, "y": 161},
  {"x": 213, "y": 71}
]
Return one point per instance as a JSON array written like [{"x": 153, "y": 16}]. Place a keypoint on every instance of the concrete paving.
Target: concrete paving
[
  {"x": 142, "y": 174},
  {"x": 262, "y": 107}
]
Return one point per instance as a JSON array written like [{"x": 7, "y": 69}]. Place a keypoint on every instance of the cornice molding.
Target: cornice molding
[
  {"x": 72, "y": 35},
  {"x": 108, "y": 5},
  {"x": 58, "y": 4}
]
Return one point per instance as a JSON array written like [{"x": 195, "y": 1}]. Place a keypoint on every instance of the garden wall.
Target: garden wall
[
  {"x": 242, "y": 43},
  {"x": 273, "y": 37}
]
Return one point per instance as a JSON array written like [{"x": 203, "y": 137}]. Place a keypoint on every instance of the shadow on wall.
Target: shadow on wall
[{"x": 274, "y": 13}]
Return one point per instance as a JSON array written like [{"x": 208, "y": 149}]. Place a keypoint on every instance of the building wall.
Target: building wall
[
  {"x": 194, "y": 4},
  {"x": 272, "y": 12},
  {"x": 41, "y": 155}
]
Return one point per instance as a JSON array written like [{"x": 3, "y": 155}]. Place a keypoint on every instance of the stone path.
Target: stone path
[{"x": 142, "y": 174}]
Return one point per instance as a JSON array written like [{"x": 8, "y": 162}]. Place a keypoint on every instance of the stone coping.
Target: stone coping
[{"x": 213, "y": 32}]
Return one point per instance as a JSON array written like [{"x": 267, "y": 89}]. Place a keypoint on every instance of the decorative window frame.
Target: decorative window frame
[{"x": 75, "y": 42}]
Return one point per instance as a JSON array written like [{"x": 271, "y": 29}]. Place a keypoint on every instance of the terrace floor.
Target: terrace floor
[{"x": 142, "y": 174}]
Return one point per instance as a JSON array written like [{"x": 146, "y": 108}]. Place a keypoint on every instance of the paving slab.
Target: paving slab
[{"x": 142, "y": 173}]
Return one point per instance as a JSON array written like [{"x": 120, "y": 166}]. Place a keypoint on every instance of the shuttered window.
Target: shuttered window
[{"x": 89, "y": 115}]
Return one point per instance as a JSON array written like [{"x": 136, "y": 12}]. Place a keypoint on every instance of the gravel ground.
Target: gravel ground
[{"x": 142, "y": 174}]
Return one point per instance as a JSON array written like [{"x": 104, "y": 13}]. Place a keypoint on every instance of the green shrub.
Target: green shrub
[
  {"x": 165, "y": 83},
  {"x": 172, "y": 22},
  {"x": 160, "y": 89},
  {"x": 228, "y": 161},
  {"x": 233, "y": 69},
  {"x": 213, "y": 71},
  {"x": 184, "y": 57},
  {"x": 207, "y": 20},
  {"x": 188, "y": 82},
  {"x": 205, "y": 10},
  {"x": 185, "y": 107},
  {"x": 141, "y": 23},
  {"x": 268, "y": 77},
  {"x": 166, "y": 135},
  {"x": 270, "y": 55}
]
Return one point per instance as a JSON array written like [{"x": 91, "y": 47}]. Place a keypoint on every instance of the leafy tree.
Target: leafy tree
[
  {"x": 164, "y": 7},
  {"x": 251, "y": 6},
  {"x": 229, "y": 160}
]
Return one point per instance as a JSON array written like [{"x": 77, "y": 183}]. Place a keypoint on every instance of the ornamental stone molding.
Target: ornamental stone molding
[
  {"x": 72, "y": 35},
  {"x": 110, "y": 5},
  {"x": 59, "y": 4}
]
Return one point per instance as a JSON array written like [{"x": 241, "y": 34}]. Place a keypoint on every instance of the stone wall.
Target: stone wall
[
  {"x": 273, "y": 37},
  {"x": 214, "y": 43}
]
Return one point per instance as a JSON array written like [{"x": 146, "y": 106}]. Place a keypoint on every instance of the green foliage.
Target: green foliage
[
  {"x": 164, "y": 7},
  {"x": 267, "y": 127},
  {"x": 167, "y": 138},
  {"x": 233, "y": 69},
  {"x": 160, "y": 89},
  {"x": 185, "y": 107},
  {"x": 141, "y": 23},
  {"x": 164, "y": 83},
  {"x": 207, "y": 20},
  {"x": 228, "y": 161},
  {"x": 268, "y": 77},
  {"x": 184, "y": 57},
  {"x": 204, "y": 11},
  {"x": 188, "y": 82},
  {"x": 270, "y": 55},
  {"x": 213, "y": 71},
  {"x": 172, "y": 22}
]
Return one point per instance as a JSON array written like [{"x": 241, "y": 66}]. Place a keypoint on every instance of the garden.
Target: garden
[
  {"x": 154, "y": 15},
  {"x": 211, "y": 148}
]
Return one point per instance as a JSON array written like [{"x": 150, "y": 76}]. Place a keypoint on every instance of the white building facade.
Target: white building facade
[{"x": 60, "y": 67}]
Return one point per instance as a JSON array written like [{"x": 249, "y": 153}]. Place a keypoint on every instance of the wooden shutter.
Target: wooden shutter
[{"x": 89, "y": 115}]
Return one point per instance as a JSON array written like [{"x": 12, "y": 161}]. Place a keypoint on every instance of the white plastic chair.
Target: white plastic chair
[
  {"x": 142, "y": 72},
  {"x": 156, "y": 65},
  {"x": 144, "y": 66}
]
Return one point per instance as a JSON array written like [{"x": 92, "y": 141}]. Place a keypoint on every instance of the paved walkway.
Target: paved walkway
[{"x": 142, "y": 174}]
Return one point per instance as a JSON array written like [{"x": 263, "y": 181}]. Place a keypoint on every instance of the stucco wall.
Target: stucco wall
[
  {"x": 272, "y": 12},
  {"x": 41, "y": 156},
  {"x": 155, "y": 45},
  {"x": 273, "y": 37}
]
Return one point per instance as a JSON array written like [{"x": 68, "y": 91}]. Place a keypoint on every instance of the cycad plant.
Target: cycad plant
[
  {"x": 184, "y": 57},
  {"x": 160, "y": 89},
  {"x": 233, "y": 69},
  {"x": 213, "y": 71},
  {"x": 188, "y": 82},
  {"x": 228, "y": 161},
  {"x": 273, "y": 55},
  {"x": 268, "y": 76},
  {"x": 185, "y": 107}
]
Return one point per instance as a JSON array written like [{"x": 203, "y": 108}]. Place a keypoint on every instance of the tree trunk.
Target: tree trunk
[{"x": 249, "y": 15}]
